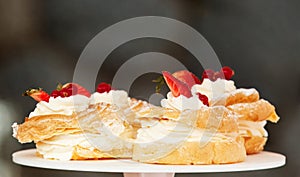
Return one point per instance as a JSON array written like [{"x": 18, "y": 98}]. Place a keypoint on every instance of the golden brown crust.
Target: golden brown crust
[
  {"x": 217, "y": 117},
  {"x": 254, "y": 144},
  {"x": 215, "y": 152},
  {"x": 43, "y": 127},
  {"x": 255, "y": 111},
  {"x": 242, "y": 96}
]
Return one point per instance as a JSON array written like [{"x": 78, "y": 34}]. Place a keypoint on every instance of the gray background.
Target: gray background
[{"x": 40, "y": 42}]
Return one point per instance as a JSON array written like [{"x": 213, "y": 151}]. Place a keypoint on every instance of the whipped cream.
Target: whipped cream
[
  {"x": 214, "y": 89},
  {"x": 116, "y": 97},
  {"x": 181, "y": 102},
  {"x": 59, "y": 105},
  {"x": 175, "y": 132},
  {"x": 61, "y": 147},
  {"x": 251, "y": 128}
]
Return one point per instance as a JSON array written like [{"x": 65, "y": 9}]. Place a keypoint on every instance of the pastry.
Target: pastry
[
  {"x": 65, "y": 125},
  {"x": 216, "y": 89}
]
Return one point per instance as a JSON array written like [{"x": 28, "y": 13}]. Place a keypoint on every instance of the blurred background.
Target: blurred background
[{"x": 41, "y": 41}]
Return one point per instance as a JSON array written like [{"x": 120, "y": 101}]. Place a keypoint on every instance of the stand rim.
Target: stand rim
[{"x": 261, "y": 161}]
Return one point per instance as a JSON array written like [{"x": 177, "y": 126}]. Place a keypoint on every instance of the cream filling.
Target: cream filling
[
  {"x": 250, "y": 128},
  {"x": 61, "y": 147},
  {"x": 170, "y": 132},
  {"x": 59, "y": 105},
  {"x": 181, "y": 102}
]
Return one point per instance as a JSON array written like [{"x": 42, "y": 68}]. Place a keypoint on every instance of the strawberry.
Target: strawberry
[
  {"x": 203, "y": 98},
  {"x": 103, "y": 87},
  {"x": 208, "y": 73},
  {"x": 69, "y": 89},
  {"x": 176, "y": 86},
  {"x": 73, "y": 89},
  {"x": 187, "y": 77},
  {"x": 37, "y": 94},
  {"x": 55, "y": 93},
  {"x": 224, "y": 73}
]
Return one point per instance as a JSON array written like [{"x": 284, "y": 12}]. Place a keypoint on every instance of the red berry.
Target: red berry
[
  {"x": 228, "y": 72},
  {"x": 37, "y": 94},
  {"x": 176, "y": 86},
  {"x": 218, "y": 75},
  {"x": 69, "y": 90},
  {"x": 224, "y": 73},
  {"x": 187, "y": 77},
  {"x": 103, "y": 87},
  {"x": 203, "y": 98},
  {"x": 74, "y": 89},
  {"x": 55, "y": 93},
  {"x": 208, "y": 73}
]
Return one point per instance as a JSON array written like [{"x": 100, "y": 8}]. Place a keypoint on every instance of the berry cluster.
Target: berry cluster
[
  {"x": 224, "y": 73},
  {"x": 65, "y": 90},
  {"x": 181, "y": 82}
]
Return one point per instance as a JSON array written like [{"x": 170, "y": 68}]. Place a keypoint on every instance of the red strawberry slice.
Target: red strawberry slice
[
  {"x": 176, "y": 86},
  {"x": 187, "y": 77},
  {"x": 103, "y": 87},
  {"x": 37, "y": 94},
  {"x": 73, "y": 89},
  {"x": 209, "y": 74},
  {"x": 224, "y": 73}
]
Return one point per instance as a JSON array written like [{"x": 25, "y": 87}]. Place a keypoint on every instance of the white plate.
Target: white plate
[{"x": 263, "y": 160}]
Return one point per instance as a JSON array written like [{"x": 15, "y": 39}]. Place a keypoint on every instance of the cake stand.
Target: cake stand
[{"x": 263, "y": 160}]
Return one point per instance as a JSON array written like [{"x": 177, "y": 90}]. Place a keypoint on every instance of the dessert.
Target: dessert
[
  {"x": 216, "y": 89},
  {"x": 207, "y": 121},
  {"x": 64, "y": 125}
]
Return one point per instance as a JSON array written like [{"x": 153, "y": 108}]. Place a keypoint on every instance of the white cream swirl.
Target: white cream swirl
[
  {"x": 181, "y": 102},
  {"x": 214, "y": 89},
  {"x": 154, "y": 131},
  {"x": 62, "y": 147},
  {"x": 59, "y": 105},
  {"x": 116, "y": 97},
  {"x": 250, "y": 128}
]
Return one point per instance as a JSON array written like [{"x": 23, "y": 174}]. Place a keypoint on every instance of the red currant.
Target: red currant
[{"x": 103, "y": 87}]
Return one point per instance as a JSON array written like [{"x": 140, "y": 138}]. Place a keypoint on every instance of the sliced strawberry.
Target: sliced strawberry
[
  {"x": 37, "y": 94},
  {"x": 103, "y": 87},
  {"x": 73, "y": 89},
  {"x": 208, "y": 73},
  {"x": 218, "y": 75},
  {"x": 224, "y": 73},
  {"x": 55, "y": 93},
  {"x": 187, "y": 77},
  {"x": 203, "y": 98},
  {"x": 176, "y": 86}
]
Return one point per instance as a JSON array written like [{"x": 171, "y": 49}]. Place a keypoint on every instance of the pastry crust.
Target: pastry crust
[
  {"x": 254, "y": 144},
  {"x": 255, "y": 111},
  {"x": 229, "y": 150},
  {"x": 242, "y": 96},
  {"x": 217, "y": 117}
]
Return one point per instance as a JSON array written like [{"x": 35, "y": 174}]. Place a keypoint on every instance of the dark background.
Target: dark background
[{"x": 41, "y": 41}]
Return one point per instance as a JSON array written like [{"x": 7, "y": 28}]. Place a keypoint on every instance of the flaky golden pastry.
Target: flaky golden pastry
[
  {"x": 216, "y": 117},
  {"x": 228, "y": 150},
  {"x": 255, "y": 111}
]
